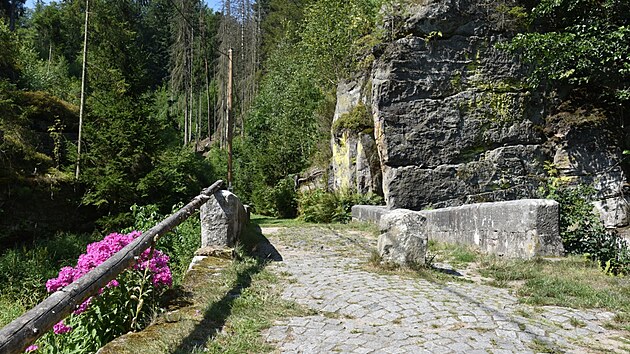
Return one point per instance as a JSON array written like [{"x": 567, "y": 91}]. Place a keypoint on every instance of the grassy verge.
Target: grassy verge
[
  {"x": 572, "y": 282},
  {"x": 269, "y": 221},
  {"x": 221, "y": 307}
]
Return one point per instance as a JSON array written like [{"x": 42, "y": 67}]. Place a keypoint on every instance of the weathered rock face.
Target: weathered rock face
[
  {"x": 583, "y": 148},
  {"x": 223, "y": 218},
  {"x": 454, "y": 122},
  {"x": 355, "y": 161}
]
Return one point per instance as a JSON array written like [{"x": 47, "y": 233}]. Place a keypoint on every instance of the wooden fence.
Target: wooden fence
[{"x": 23, "y": 331}]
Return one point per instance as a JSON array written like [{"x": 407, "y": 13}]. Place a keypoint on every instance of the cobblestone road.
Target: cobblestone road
[{"x": 359, "y": 311}]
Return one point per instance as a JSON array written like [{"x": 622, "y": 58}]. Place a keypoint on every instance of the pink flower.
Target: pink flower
[
  {"x": 61, "y": 328},
  {"x": 98, "y": 252},
  {"x": 83, "y": 307},
  {"x": 31, "y": 348},
  {"x": 66, "y": 276}
]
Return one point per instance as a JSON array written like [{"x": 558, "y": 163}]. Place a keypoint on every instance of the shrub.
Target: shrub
[
  {"x": 357, "y": 120},
  {"x": 279, "y": 201},
  {"x": 179, "y": 244},
  {"x": 581, "y": 229},
  {"x": 321, "y": 206}
]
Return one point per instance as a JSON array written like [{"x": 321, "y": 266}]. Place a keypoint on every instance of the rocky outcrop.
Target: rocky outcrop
[
  {"x": 355, "y": 160},
  {"x": 455, "y": 123},
  {"x": 582, "y": 145}
]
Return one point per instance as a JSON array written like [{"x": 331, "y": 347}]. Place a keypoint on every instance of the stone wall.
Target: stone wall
[{"x": 514, "y": 229}]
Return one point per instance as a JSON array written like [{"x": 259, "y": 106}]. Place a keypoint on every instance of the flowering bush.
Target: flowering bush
[{"x": 125, "y": 304}]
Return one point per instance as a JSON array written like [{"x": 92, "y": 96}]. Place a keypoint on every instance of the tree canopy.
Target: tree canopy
[{"x": 580, "y": 43}]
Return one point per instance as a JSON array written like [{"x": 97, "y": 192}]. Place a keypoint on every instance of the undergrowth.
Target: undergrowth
[
  {"x": 321, "y": 206},
  {"x": 581, "y": 229},
  {"x": 24, "y": 270}
]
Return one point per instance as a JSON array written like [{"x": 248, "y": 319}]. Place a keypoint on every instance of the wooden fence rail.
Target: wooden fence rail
[{"x": 23, "y": 331}]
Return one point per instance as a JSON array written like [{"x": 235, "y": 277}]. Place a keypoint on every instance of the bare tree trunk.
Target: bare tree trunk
[
  {"x": 49, "y": 59},
  {"x": 185, "y": 120},
  {"x": 208, "y": 96},
  {"x": 191, "y": 83},
  {"x": 83, "y": 85},
  {"x": 229, "y": 120}
]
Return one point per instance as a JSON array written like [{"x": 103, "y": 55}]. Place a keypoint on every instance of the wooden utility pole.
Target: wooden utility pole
[
  {"x": 83, "y": 79},
  {"x": 229, "y": 119},
  {"x": 208, "y": 97}
]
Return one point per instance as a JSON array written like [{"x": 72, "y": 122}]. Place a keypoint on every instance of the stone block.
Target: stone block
[
  {"x": 223, "y": 218},
  {"x": 403, "y": 238},
  {"x": 516, "y": 229},
  {"x": 369, "y": 213}
]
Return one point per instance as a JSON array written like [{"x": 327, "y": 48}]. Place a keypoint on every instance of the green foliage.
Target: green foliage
[
  {"x": 331, "y": 34},
  {"x": 357, "y": 120},
  {"x": 177, "y": 174},
  {"x": 581, "y": 229},
  {"x": 279, "y": 201},
  {"x": 9, "y": 52},
  {"x": 26, "y": 144},
  {"x": 583, "y": 43},
  {"x": 321, "y": 206},
  {"x": 130, "y": 306},
  {"x": 179, "y": 244},
  {"x": 289, "y": 125},
  {"x": 25, "y": 269}
]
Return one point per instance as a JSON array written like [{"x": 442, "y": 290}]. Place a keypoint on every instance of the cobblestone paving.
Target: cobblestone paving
[{"x": 358, "y": 311}]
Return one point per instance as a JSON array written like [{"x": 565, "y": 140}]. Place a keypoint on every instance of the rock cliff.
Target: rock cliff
[{"x": 455, "y": 123}]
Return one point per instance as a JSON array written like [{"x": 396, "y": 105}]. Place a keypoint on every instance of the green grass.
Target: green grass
[
  {"x": 541, "y": 346},
  {"x": 455, "y": 255},
  {"x": 421, "y": 271},
  {"x": 572, "y": 282},
  {"x": 221, "y": 307},
  {"x": 24, "y": 271},
  {"x": 269, "y": 221}
]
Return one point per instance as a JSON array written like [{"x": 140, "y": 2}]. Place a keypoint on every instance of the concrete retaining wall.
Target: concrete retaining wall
[
  {"x": 369, "y": 213},
  {"x": 516, "y": 229}
]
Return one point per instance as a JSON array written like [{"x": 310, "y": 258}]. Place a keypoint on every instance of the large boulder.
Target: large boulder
[
  {"x": 403, "y": 238},
  {"x": 223, "y": 219}
]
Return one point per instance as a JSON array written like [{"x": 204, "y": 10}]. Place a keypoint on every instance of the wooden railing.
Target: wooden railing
[{"x": 23, "y": 331}]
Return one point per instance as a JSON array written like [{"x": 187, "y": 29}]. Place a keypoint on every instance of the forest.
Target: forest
[
  {"x": 154, "y": 127},
  {"x": 114, "y": 110}
]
